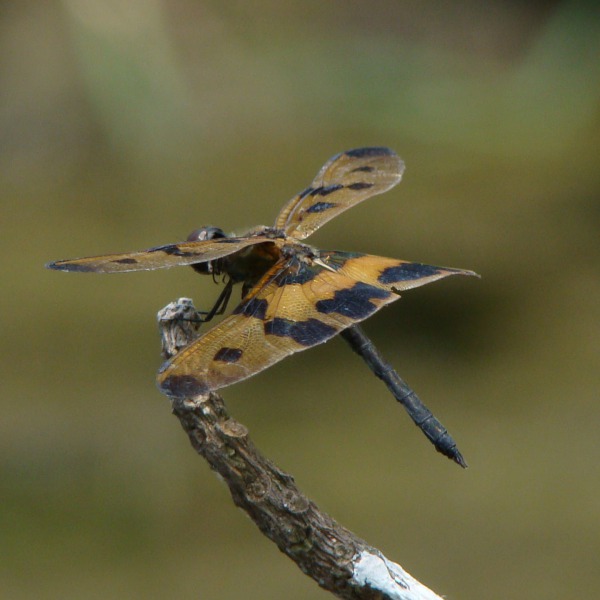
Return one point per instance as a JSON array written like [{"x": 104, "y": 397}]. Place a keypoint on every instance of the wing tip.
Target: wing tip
[
  {"x": 180, "y": 386},
  {"x": 65, "y": 265},
  {"x": 370, "y": 152}
]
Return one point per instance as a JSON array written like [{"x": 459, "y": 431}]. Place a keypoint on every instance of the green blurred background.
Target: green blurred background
[{"x": 125, "y": 125}]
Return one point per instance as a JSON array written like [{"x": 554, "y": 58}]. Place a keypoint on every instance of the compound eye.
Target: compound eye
[{"x": 204, "y": 234}]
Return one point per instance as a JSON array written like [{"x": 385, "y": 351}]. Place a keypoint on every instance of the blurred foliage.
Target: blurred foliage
[{"x": 126, "y": 125}]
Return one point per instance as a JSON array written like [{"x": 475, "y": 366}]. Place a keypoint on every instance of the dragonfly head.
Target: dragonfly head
[{"x": 205, "y": 234}]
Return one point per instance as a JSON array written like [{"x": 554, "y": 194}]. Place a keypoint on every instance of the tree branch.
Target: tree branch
[{"x": 333, "y": 556}]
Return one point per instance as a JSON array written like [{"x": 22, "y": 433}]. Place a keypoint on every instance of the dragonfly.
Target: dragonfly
[{"x": 294, "y": 296}]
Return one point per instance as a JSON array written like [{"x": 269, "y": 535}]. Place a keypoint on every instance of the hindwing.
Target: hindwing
[{"x": 295, "y": 306}]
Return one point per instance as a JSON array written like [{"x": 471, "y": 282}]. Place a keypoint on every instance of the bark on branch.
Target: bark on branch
[{"x": 333, "y": 556}]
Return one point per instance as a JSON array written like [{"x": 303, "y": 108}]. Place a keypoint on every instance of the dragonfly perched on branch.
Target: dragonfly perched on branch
[{"x": 294, "y": 296}]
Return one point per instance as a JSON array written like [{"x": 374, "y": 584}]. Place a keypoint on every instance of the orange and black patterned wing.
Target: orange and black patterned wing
[
  {"x": 344, "y": 181},
  {"x": 160, "y": 257},
  {"x": 295, "y": 306}
]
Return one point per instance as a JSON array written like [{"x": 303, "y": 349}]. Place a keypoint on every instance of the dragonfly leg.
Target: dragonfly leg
[{"x": 220, "y": 305}]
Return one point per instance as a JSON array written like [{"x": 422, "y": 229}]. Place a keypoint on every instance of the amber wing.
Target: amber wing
[
  {"x": 294, "y": 307},
  {"x": 344, "y": 181},
  {"x": 160, "y": 257}
]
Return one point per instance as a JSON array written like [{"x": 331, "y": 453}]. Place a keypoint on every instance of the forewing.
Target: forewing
[
  {"x": 160, "y": 257},
  {"x": 344, "y": 181},
  {"x": 294, "y": 307}
]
